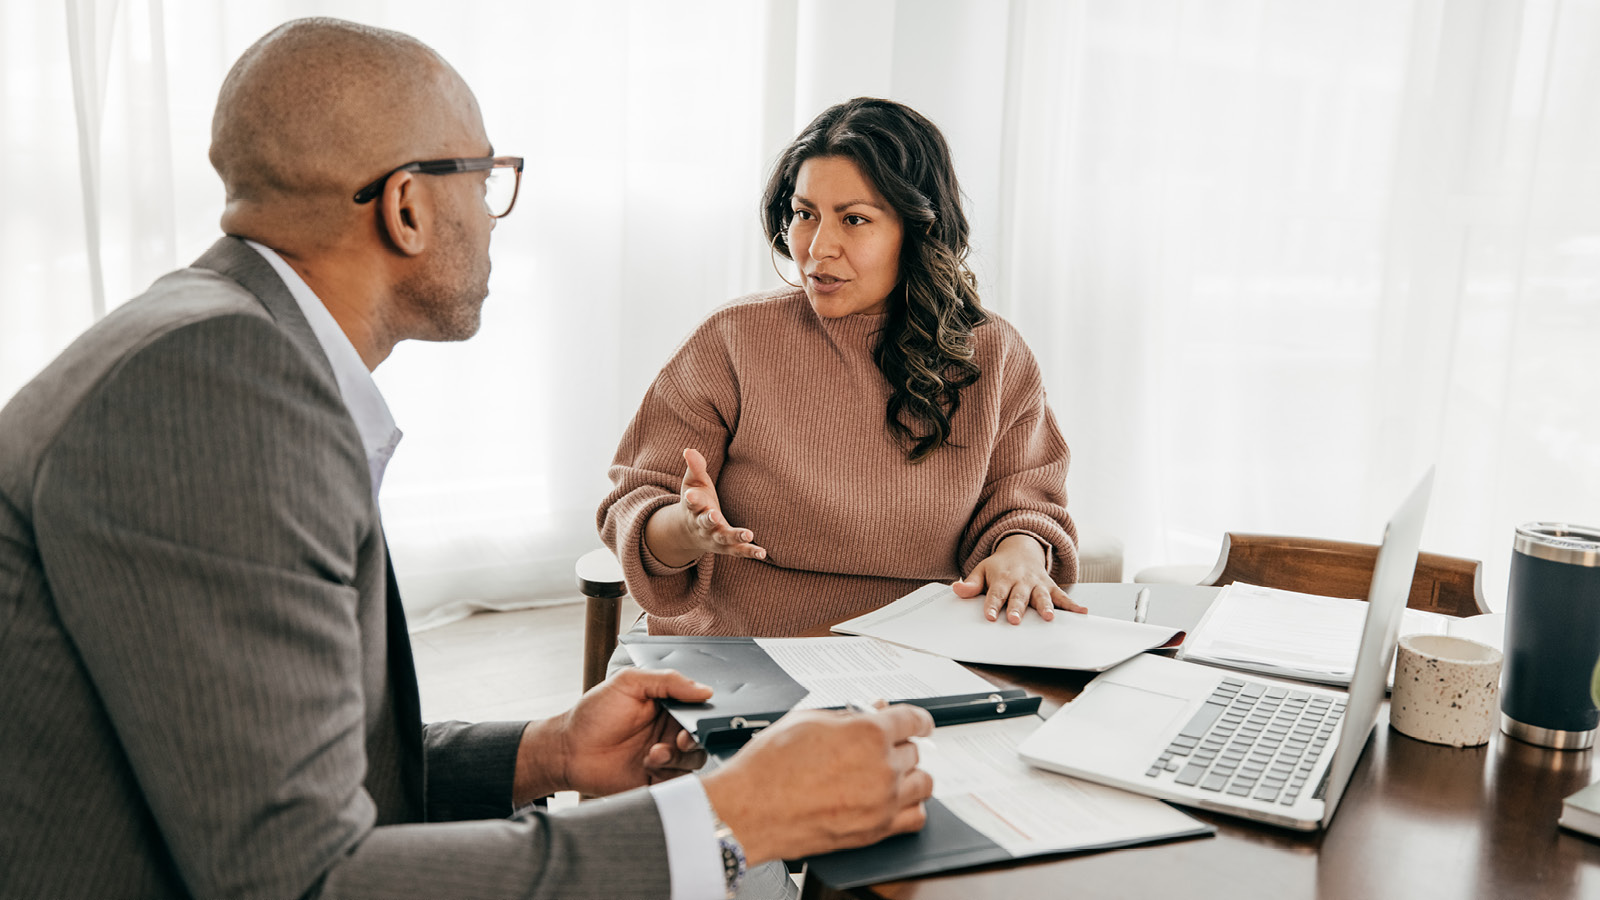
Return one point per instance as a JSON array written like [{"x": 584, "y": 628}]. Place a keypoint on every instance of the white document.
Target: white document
[
  {"x": 1306, "y": 636},
  {"x": 933, "y": 619},
  {"x": 979, "y": 776},
  {"x": 837, "y": 670}
]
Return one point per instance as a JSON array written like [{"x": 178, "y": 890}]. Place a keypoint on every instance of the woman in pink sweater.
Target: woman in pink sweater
[{"x": 812, "y": 453}]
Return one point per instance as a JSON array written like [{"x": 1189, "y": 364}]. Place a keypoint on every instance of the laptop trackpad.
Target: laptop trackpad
[{"x": 1137, "y": 717}]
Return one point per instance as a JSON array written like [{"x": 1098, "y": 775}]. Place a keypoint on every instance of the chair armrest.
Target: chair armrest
[
  {"x": 600, "y": 580},
  {"x": 600, "y": 575}
]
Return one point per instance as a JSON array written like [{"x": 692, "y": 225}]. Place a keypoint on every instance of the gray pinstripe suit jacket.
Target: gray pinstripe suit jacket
[{"x": 205, "y": 682}]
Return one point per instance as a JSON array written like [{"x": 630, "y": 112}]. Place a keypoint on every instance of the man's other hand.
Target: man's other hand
[{"x": 617, "y": 737}]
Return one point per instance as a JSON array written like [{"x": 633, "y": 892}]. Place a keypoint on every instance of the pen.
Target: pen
[{"x": 1141, "y": 605}]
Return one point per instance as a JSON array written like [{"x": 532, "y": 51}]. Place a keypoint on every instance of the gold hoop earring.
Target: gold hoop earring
[{"x": 773, "y": 256}]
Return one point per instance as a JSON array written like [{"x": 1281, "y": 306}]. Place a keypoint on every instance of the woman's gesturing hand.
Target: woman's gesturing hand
[{"x": 681, "y": 533}]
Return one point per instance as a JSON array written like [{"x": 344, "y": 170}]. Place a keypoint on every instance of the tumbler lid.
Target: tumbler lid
[{"x": 1577, "y": 545}]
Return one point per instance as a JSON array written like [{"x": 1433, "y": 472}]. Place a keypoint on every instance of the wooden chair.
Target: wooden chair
[
  {"x": 601, "y": 583},
  {"x": 1443, "y": 584}
]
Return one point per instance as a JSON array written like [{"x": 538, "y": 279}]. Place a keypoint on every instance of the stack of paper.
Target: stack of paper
[
  {"x": 933, "y": 619},
  {"x": 1306, "y": 636}
]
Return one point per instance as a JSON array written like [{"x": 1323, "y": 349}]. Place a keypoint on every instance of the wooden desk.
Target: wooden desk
[{"x": 1418, "y": 820}]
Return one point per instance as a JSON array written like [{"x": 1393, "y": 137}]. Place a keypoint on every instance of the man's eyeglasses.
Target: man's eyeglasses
[{"x": 499, "y": 190}]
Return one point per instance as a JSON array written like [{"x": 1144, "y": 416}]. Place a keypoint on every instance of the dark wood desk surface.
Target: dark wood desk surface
[{"x": 1418, "y": 820}]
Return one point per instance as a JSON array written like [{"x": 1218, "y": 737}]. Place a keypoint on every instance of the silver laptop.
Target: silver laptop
[{"x": 1274, "y": 751}]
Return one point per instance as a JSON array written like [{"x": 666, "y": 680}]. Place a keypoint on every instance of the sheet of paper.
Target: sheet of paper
[
  {"x": 978, "y": 775},
  {"x": 932, "y": 618},
  {"x": 837, "y": 670}
]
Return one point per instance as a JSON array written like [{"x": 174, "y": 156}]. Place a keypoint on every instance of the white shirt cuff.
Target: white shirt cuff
[{"x": 694, "y": 860}]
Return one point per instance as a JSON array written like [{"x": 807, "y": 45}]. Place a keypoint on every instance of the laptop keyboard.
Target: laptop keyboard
[{"x": 1252, "y": 740}]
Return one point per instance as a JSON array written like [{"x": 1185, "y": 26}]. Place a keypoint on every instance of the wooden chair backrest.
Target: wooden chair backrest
[{"x": 1443, "y": 584}]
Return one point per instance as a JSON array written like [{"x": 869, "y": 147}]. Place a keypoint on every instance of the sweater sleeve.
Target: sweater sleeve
[
  {"x": 1024, "y": 490},
  {"x": 693, "y": 403}
]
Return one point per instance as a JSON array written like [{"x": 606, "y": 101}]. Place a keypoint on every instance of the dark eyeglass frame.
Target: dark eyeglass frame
[{"x": 449, "y": 167}]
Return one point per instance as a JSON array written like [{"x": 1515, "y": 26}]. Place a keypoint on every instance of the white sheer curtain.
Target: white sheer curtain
[
  {"x": 1284, "y": 255},
  {"x": 1274, "y": 257}
]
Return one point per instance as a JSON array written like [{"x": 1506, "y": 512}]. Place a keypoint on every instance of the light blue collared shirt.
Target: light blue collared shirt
[{"x": 694, "y": 861}]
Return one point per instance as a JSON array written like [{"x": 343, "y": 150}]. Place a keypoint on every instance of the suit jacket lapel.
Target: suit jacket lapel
[{"x": 403, "y": 679}]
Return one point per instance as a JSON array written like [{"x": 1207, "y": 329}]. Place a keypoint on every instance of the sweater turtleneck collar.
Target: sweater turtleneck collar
[{"x": 859, "y": 330}]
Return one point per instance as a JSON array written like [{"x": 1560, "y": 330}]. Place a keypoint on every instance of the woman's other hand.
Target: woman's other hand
[
  {"x": 694, "y": 526},
  {"x": 1014, "y": 577}
]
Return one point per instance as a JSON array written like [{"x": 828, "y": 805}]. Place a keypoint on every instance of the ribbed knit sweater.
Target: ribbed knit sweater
[{"x": 788, "y": 409}]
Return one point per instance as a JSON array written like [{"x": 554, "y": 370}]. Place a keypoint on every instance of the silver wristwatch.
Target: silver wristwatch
[{"x": 733, "y": 862}]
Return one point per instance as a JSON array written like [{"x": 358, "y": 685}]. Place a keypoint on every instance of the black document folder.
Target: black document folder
[
  {"x": 751, "y": 691},
  {"x": 945, "y": 843}
]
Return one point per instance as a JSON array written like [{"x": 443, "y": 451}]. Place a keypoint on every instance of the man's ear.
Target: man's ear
[{"x": 406, "y": 214}]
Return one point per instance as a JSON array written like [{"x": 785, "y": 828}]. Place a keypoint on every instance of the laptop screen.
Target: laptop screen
[{"x": 1386, "y": 599}]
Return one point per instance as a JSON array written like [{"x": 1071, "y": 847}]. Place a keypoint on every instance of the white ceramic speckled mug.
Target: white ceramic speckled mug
[{"x": 1446, "y": 690}]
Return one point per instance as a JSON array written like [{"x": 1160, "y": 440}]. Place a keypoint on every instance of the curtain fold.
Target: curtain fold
[
  {"x": 89, "y": 48},
  {"x": 1274, "y": 257}
]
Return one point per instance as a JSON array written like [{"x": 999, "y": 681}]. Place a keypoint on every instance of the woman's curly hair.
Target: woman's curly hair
[{"x": 925, "y": 348}]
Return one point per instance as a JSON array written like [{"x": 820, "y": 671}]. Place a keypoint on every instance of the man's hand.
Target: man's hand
[
  {"x": 820, "y": 781},
  {"x": 617, "y": 737},
  {"x": 1014, "y": 576},
  {"x": 694, "y": 526}
]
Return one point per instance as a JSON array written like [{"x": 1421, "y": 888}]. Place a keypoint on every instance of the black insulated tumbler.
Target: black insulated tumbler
[{"x": 1552, "y": 636}]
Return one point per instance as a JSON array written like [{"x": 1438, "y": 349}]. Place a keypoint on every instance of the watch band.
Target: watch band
[{"x": 733, "y": 861}]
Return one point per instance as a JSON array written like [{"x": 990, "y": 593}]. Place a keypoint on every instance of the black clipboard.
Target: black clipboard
[{"x": 750, "y": 691}]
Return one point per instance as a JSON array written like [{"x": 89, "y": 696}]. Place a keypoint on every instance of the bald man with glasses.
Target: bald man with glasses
[{"x": 205, "y": 679}]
